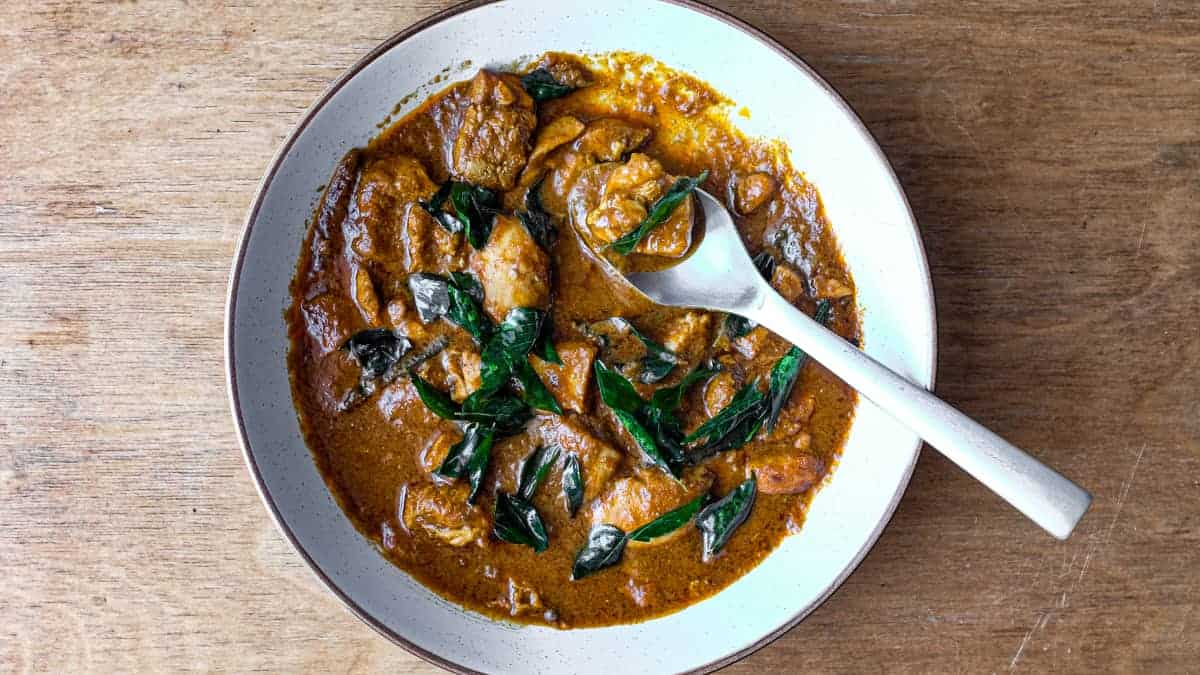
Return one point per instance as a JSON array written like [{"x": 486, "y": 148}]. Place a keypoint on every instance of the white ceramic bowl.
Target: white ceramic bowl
[{"x": 862, "y": 198}]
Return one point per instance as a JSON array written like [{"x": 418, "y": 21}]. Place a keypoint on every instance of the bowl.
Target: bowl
[{"x": 788, "y": 101}]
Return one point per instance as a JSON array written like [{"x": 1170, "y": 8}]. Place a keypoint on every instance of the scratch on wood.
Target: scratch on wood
[
  {"x": 1124, "y": 493},
  {"x": 1038, "y": 624}
]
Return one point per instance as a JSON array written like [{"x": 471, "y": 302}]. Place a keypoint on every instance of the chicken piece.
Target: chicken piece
[
  {"x": 551, "y": 137},
  {"x": 787, "y": 282},
  {"x": 832, "y": 288},
  {"x": 404, "y": 320},
  {"x": 750, "y": 344},
  {"x": 513, "y": 269},
  {"x": 608, "y": 139},
  {"x": 429, "y": 247},
  {"x": 453, "y": 370},
  {"x": 462, "y": 372},
  {"x": 434, "y": 452},
  {"x": 365, "y": 297},
  {"x": 442, "y": 511},
  {"x": 625, "y": 200},
  {"x": 719, "y": 391},
  {"x": 784, "y": 470},
  {"x": 567, "y": 69},
  {"x": 493, "y": 140},
  {"x": 688, "y": 336},
  {"x": 647, "y": 493},
  {"x": 385, "y": 187},
  {"x": 597, "y": 459},
  {"x": 753, "y": 191},
  {"x": 569, "y": 382},
  {"x": 794, "y": 417}
]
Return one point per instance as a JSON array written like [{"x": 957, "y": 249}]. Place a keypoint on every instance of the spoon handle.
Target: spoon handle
[{"x": 1041, "y": 493}]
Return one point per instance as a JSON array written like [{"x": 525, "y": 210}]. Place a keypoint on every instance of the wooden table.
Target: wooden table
[{"x": 1052, "y": 156}]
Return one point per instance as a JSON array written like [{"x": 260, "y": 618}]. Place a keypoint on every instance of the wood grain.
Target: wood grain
[{"x": 1051, "y": 152}]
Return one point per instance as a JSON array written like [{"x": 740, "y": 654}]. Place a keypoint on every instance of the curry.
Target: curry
[{"x": 511, "y": 422}]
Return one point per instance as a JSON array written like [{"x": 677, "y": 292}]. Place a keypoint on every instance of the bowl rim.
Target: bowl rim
[{"x": 252, "y": 216}]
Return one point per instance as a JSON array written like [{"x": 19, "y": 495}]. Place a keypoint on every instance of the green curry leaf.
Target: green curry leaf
[
  {"x": 787, "y": 369},
  {"x": 541, "y": 85},
  {"x": 437, "y": 401},
  {"x": 659, "y": 212},
  {"x": 718, "y": 521},
  {"x": 534, "y": 469},
  {"x": 603, "y": 549},
  {"x": 668, "y": 522},
  {"x": 518, "y": 522},
  {"x": 468, "y": 458},
  {"x": 572, "y": 483}
]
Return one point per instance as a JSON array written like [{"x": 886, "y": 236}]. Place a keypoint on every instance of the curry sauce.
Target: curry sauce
[{"x": 490, "y": 204}]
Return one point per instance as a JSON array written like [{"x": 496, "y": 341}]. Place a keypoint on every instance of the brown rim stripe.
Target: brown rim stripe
[{"x": 256, "y": 206}]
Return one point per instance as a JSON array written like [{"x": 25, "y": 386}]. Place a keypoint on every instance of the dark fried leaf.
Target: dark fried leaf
[
  {"x": 670, "y": 398},
  {"x": 533, "y": 389},
  {"x": 437, "y": 401},
  {"x": 734, "y": 425},
  {"x": 659, "y": 212},
  {"x": 534, "y": 469},
  {"x": 376, "y": 350},
  {"x": 645, "y": 440},
  {"x": 431, "y": 295},
  {"x": 544, "y": 348},
  {"x": 467, "y": 282},
  {"x": 572, "y": 483},
  {"x": 435, "y": 208},
  {"x": 668, "y": 522},
  {"x": 535, "y": 219},
  {"x": 541, "y": 85},
  {"x": 475, "y": 207},
  {"x": 658, "y": 361},
  {"x": 469, "y": 457},
  {"x": 604, "y": 546},
  {"x": 787, "y": 369},
  {"x": 506, "y": 414},
  {"x": 616, "y": 391},
  {"x": 718, "y": 521},
  {"x": 517, "y": 522}
]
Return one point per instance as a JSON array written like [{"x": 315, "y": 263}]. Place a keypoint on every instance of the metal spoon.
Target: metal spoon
[{"x": 719, "y": 275}]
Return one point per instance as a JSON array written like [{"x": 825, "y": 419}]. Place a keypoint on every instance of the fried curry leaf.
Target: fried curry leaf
[
  {"x": 465, "y": 311},
  {"x": 535, "y": 219},
  {"x": 718, "y": 521},
  {"x": 468, "y": 458},
  {"x": 437, "y": 401},
  {"x": 431, "y": 295},
  {"x": 505, "y": 358},
  {"x": 737, "y": 326},
  {"x": 787, "y": 369},
  {"x": 434, "y": 207},
  {"x": 506, "y": 414},
  {"x": 645, "y": 423},
  {"x": 616, "y": 391},
  {"x": 534, "y": 470},
  {"x": 544, "y": 348},
  {"x": 668, "y": 522},
  {"x": 572, "y": 483},
  {"x": 603, "y": 549},
  {"x": 670, "y": 398},
  {"x": 517, "y": 522},
  {"x": 475, "y": 207},
  {"x": 734, "y": 425},
  {"x": 541, "y": 85},
  {"x": 659, "y": 212},
  {"x": 658, "y": 361},
  {"x": 458, "y": 299},
  {"x": 376, "y": 350}
]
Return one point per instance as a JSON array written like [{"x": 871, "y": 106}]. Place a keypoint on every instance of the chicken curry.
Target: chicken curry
[{"x": 511, "y": 422}]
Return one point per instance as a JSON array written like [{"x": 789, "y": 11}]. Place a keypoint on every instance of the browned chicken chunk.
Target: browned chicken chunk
[
  {"x": 442, "y": 511},
  {"x": 493, "y": 141},
  {"x": 569, "y": 382},
  {"x": 785, "y": 470},
  {"x": 753, "y": 191},
  {"x": 513, "y": 269},
  {"x": 617, "y": 208}
]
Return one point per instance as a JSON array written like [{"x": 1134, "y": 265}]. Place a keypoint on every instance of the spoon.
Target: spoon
[{"x": 719, "y": 275}]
